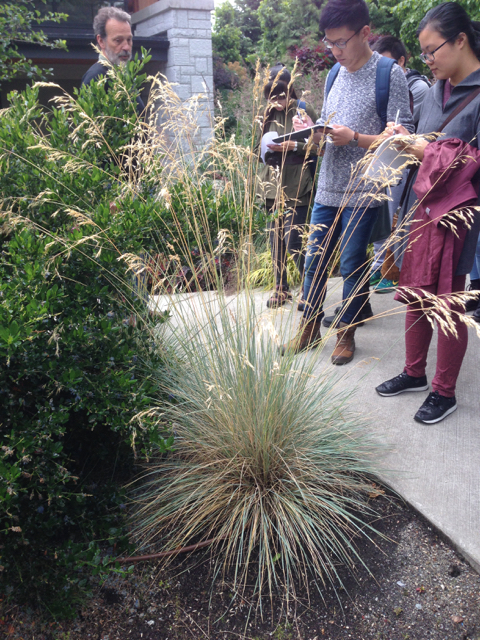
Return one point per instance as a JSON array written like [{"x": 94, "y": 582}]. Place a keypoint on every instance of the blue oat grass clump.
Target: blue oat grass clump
[{"x": 269, "y": 459}]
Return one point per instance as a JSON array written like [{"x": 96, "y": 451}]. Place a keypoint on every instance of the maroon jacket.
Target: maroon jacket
[{"x": 446, "y": 181}]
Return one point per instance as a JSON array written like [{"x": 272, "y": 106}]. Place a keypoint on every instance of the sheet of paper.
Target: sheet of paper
[{"x": 267, "y": 139}]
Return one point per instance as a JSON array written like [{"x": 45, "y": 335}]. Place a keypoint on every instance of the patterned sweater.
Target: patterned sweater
[{"x": 352, "y": 102}]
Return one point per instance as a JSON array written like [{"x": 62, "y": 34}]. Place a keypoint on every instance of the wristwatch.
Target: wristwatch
[{"x": 354, "y": 141}]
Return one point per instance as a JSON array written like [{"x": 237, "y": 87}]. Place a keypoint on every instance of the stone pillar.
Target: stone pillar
[{"x": 187, "y": 25}]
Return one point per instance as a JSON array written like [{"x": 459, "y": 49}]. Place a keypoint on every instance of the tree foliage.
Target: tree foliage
[
  {"x": 265, "y": 28},
  {"x": 410, "y": 13},
  {"x": 226, "y": 36},
  {"x": 382, "y": 18},
  {"x": 288, "y": 23},
  {"x": 402, "y": 18},
  {"x": 17, "y": 18},
  {"x": 247, "y": 29},
  {"x": 237, "y": 30}
]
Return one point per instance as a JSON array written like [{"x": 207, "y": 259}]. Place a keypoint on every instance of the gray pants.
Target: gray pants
[{"x": 286, "y": 236}]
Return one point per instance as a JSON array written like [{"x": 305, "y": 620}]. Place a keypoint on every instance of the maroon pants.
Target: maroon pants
[{"x": 450, "y": 349}]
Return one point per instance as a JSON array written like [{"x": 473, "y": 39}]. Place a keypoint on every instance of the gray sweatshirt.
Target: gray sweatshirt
[{"x": 352, "y": 102}]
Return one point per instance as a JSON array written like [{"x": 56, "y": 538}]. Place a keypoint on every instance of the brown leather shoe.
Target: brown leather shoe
[
  {"x": 308, "y": 336},
  {"x": 345, "y": 347},
  {"x": 279, "y": 298}
]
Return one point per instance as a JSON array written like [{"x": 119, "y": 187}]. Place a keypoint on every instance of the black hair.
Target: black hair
[
  {"x": 344, "y": 13},
  {"x": 450, "y": 19},
  {"x": 279, "y": 85},
  {"x": 391, "y": 44}
]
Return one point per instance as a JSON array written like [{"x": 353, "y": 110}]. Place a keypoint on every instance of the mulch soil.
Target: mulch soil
[{"x": 419, "y": 588}]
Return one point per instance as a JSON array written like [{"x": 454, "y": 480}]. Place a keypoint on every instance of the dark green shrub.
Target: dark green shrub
[{"x": 72, "y": 369}]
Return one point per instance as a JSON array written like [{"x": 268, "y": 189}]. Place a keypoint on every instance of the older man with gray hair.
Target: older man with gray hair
[{"x": 113, "y": 32}]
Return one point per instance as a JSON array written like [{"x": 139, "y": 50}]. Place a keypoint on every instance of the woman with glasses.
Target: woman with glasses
[
  {"x": 450, "y": 44},
  {"x": 285, "y": 181}
]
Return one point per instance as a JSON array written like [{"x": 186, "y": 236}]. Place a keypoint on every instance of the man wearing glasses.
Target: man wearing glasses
[{"x": 343, "y": 210}]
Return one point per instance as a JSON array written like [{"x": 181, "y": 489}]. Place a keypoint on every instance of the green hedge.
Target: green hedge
[{"x": 73, "y": 372}]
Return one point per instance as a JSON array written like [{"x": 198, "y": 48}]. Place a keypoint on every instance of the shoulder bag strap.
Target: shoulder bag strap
[{"x": 461, "y": 107}]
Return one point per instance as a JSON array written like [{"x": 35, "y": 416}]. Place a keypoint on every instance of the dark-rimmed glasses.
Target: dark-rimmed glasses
[
  {"x": 429, "y": 56},
  {"x": 340, "y": 44}
]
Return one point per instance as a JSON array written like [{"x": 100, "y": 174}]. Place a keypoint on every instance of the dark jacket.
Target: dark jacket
[
  {"x": 296, "y": 180},
  {"x": 97, "y": 71},
  {"x": 466, "y": 127},
  {"x": 446, "y": 182},
  {"x": 418, "y": 86}
]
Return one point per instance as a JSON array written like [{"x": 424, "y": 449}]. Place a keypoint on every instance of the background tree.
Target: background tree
[
  {"x": 226, "y": 36},
  {"x": 248, "y": 21},
  {"x": 409, "y": 13},
  {"x": 17, "y": 19},
  {"x": 264, "y": 28},
  {"x": 382, "y": 18}
]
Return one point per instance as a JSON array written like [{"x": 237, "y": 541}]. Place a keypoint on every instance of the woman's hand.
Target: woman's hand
[
  {"x": 288, "y": 145},
  {"x": 302, "y": 123},
  {"x": 393, "y": 129},
  {"x": 416, "y": 149}
]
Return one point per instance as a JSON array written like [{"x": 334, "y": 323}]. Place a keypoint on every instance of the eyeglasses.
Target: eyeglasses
[
  {"x": 340, "y": 44},
  {"x": 429, "y": 56}
]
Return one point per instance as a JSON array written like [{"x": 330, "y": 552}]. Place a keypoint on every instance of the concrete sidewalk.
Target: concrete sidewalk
[{"x": 434, "y": 468}]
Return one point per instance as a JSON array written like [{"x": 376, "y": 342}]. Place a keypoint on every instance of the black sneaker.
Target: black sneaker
[
  {"x": 435, "y": 408},
  {"x": 364, "y": 314},
  {"x": 402, "y": 383},
  {"x": 476, "y": 315}
]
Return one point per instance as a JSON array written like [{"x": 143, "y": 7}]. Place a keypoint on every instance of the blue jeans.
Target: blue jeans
[
  {"x": 353, "y": 227},
  {"x": 475, "y": 272}
]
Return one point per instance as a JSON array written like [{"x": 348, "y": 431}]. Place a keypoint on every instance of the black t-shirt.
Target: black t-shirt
[{"x": 98, "y": 70}]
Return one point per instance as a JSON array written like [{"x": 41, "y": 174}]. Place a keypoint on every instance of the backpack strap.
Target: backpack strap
[
  {"x": 382, "y": 87},
  {"x": 332, "y": 75}
]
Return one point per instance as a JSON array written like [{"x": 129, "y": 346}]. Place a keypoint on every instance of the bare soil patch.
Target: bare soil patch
[{"x": 419, "y": 588}]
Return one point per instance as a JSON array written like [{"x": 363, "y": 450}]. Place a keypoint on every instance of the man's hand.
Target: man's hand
[
  {"x": 341, "y": 136},
  {"x": 288, "y": 145}
]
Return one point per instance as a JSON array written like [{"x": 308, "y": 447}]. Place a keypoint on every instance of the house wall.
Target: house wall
[{"x": 187, "y": 25}]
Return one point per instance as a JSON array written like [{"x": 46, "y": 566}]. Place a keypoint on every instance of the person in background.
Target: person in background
[
  {"x": 418, "y": 86},
  {"x": 113, "y": 33},
  {"x": 440, "y": 253},
  {"x": 288, "y": 195}
]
